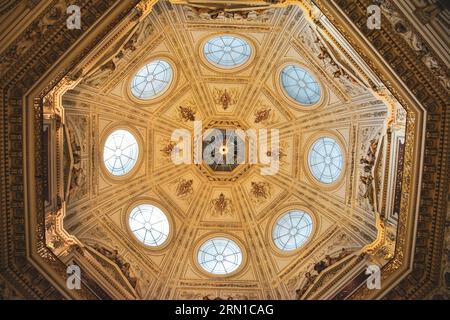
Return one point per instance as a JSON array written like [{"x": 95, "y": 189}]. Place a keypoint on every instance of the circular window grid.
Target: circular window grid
[
  {"x": 292, "y": 230},
  {"x": 152, "y": 80},
  {"x": 300, "y": 85},
  {"x": 325, "y": 160},
  {"x": 120, "y": 152},
  {"x": 220, "y": 256},
  {"x": 149, "y": 224}
]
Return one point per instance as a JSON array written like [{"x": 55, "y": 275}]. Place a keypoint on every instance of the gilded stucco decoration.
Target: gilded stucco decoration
[{"x": 79, "y": 95}]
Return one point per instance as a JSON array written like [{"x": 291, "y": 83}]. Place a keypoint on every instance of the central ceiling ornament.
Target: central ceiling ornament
[{"x": 224, "y": 151}]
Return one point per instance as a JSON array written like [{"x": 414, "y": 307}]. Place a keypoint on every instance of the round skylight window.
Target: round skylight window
[
  {"x": 152, "y": 80},
  {"x": 227, "y": 51},
  {"x": 325, "y": 160},
  {"x": 219, "y": 256},
  {"x": 292, "y": 230},
  {"x": 300, "y": 85},
  {"x": 149, "y": 225},
  {"x": 120, "y": 152}
]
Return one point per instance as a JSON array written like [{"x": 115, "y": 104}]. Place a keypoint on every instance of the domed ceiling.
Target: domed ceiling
[{"x": 316, "y": 200}]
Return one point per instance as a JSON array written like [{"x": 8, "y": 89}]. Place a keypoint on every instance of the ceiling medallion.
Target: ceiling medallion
[{"x": 222, "y": 148}]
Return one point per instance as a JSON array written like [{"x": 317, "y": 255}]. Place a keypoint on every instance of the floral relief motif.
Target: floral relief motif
[
  {"x": 259, "y": 191},
  {"x": 221, "y": 206},
  {"x": 168, "y": 148},
  {"x": 186, "y": 114},
  {"x": 279, "y": 153},
  {"x": 264, "y": 115},
  {"x": 225, "y": 98},
  {"x": 184, "y": 188}
]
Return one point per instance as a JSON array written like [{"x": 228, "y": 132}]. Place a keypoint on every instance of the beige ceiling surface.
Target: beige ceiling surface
[{"x": 98, "y": 208}]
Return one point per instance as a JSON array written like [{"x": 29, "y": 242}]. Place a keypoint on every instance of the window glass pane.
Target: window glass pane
[
  {"x": 120, "y": 152},
  {"x": 325, "y": 160},
  {"x": 292, "y": 230},
  {"x": 227, "y": 51},
  {"x": 151, "y": 80},
  {"x": 219, "y": 256},
  {"x": 300, "y": 85},
  {"x": 149, "y": 225}
]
